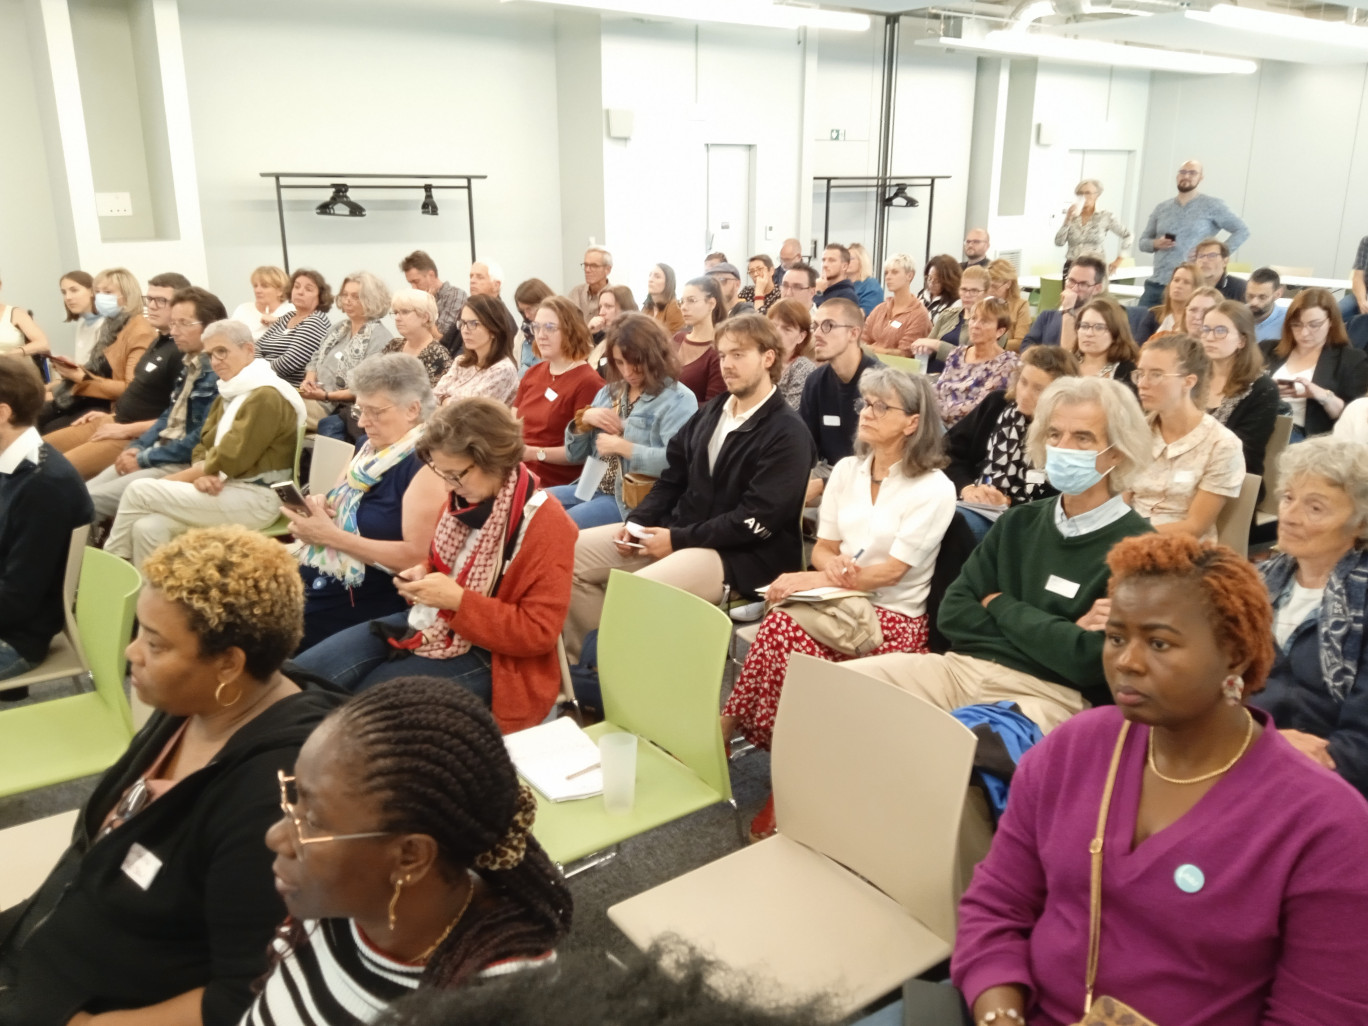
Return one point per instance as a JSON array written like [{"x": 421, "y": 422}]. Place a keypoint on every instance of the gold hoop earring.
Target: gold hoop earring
[
  {"x": 218, "y": 696},
  {"x": 394, "y": 902}
]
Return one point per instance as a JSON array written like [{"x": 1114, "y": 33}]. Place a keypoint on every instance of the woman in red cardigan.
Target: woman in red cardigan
[{"x": 490, "y": 601}]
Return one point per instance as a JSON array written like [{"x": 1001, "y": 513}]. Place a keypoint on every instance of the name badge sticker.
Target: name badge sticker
[
  {"x": 895, "y": 324},
  {"x": 1184, "y": 476},
  {"x": 1035, "y": 477},
  {"x": 831, "y": 420},
  {"x": 150, "y": 367},
  {"x": 551, "y": 395},
  {"x": 141, "y": 866},
  {"x": 1060, "y": 586}
]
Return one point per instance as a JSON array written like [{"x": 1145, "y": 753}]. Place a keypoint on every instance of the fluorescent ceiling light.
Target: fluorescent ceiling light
[
  {"x": 1086, "y": 51},
  {"x": 1284, "y": 26},
  {"x": 759, "y": 13}
]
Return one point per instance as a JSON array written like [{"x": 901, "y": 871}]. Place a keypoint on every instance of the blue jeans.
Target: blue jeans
[
  {"x": 601, "y": 509},
  {"x": 333, "y": 426},
  {"x": 356, "y": 659},
  {"x": 11, "y": 662}
]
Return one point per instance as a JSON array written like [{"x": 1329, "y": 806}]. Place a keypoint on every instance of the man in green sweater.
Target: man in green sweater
[{"x": 1025, "y": 616}]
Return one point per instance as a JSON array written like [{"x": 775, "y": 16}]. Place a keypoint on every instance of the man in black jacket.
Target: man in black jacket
[
  {"x": 835, "y": 260},
  {"x": 42, "y": 500},
  {"x": 726, "y": 509}
]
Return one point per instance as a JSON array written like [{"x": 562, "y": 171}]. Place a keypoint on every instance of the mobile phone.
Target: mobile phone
[
  {"x": 1170, "y": 236},
  {"x": 291, "y": 498},
  {"x": 65, "y": 361}
]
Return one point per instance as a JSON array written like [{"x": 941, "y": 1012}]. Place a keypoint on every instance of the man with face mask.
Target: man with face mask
[{"x": 1025, "y": 617}]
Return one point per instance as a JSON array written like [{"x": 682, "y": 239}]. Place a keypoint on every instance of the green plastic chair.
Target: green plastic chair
[
  {"x": 65, "y": 738},
  {"x": 661, "y": 654},
  {"x": 1050, "y": 291},
  {"x": 903, "y": 363},
  {"x": 281, "y": 525}
]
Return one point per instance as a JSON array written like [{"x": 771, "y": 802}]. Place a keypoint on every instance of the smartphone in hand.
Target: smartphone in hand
[{"x": 291, "y": 498}]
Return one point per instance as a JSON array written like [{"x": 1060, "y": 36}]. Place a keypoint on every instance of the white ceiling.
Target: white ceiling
[{"x": 1176, "y": 31}]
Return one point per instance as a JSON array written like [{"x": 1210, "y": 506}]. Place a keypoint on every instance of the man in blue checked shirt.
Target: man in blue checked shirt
[{"x": 1179, "y": 224}]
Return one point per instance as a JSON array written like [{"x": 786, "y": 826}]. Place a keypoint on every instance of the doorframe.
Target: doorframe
[{"x": 750, "y": 149}]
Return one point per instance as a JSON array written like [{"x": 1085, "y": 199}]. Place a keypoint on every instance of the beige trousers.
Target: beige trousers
[
  {"x": 152, "y": 512},
  {"x": 697, "y": 571},
  {"x": 952, "y": 680}
]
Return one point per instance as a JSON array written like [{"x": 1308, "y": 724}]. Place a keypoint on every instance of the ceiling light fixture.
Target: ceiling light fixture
[
  {"x": 757, "y": 13},
  {"x": 429, "y": 204},
  {"x": 1284, "y": 26},
  {"x": 1085, "y": 51},
  {"x": 339, "y": 198}
]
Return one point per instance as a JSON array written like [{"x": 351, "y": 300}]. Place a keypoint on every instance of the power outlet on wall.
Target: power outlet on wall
[{"x": 113, "y": 204}]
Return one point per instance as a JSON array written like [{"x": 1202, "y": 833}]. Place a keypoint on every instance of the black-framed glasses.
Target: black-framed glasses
[
  {"x": 827, "y": 327},
  {"x": 793, "y": 286},
  {"x": 301, "y": 836},
  {"x": 452, "y": 479},
  {"x": 470, "y": 325},
  {"x": 156, "y": 301}
]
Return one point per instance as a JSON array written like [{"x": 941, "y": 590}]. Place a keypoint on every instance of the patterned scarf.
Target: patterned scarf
[
  {"x": 432, "y": 635},
  {"x": 364, "y": 472},
  {"x": 1341, "y": 614}
]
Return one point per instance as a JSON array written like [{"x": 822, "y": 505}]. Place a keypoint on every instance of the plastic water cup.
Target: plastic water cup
[
  {"x": 618, "y": 756},
  {"x": 594, "y": 469}
]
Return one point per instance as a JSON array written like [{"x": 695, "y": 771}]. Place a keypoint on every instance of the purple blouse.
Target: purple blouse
[
  {"x": 962, "y": 385},
  {"x": 1246, "y": 911}
]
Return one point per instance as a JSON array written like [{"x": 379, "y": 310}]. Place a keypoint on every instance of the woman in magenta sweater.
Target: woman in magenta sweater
[{"x": 1232, "y": 866}]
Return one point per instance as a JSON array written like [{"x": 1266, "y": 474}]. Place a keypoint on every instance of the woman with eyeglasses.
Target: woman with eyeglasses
[
  {"x": 485, "y": 366},
  {"x": 1240, "y": 396},
  {"x": 162, "y": 908},
  {"x": 1198, "y": 464},
  {"x": 884, "y": 512},
  {"x": 1102, "y": 342},
  {"x": 327, "y": 393},
  {"x": 381, "y": 511},
  {"x": 1315, "y": 368},
  {"x": 488, "y": 602},
  {"x": 982, "y": 366},
  {"x": 948, "y": 329},
  {"x": 406, "y": 859},
  {"x": 415, "y": 311}
]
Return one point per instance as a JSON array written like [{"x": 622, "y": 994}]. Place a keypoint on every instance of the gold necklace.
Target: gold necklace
[
  {"x": 421, "y": 959},
  {"x": 1249, "y": 736}
]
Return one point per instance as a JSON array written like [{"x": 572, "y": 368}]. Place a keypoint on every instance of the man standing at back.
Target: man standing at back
[
  {"x": 598, "y": 264},
  {"x": 42, "y": 500},
  {"x": 832, "y": 391},
  {"x": 975, "y": 248},
  {"x": 420, "y": 271},
  {"x": 1179, "y": 224}
]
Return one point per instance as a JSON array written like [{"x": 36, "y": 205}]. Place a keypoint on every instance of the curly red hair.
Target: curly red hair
[{"x": 1241, "y": 614}]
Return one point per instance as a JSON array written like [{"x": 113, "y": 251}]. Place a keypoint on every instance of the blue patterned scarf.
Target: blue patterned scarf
[{"x": 1341, "y": 614}]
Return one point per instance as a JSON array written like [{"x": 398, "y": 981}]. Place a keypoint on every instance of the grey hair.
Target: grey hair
[
  {"x": 902, "y": 262},
  {"x": 924, "y": 448},
  {"x": 1127, "y": 430},
  {"x": 607, "y": 257},
  {"x": 375, "y": 294},
  {"x": 401, "y": 377},
  {"x": 1085, "y": 183},
  {"x": 234, "y": 331},
  {"x": 1341, "y": 462},
  {"x": 416, "y": 300},
  {"x": 493, "y": 269}
]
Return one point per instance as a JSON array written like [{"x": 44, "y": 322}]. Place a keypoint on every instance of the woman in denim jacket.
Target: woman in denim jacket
[{"x": 630, "y": 423}]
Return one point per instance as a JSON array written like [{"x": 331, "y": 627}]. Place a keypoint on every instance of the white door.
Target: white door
[
  {"x": 730, "y": 192},
  {"x": 1113, "y": 169}
]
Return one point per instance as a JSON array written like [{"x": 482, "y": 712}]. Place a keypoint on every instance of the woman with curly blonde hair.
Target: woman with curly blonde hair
[{"x": 163, "y": 906}]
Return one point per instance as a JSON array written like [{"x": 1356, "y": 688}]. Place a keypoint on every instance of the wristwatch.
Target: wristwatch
[{"x": 541, "y": 455}]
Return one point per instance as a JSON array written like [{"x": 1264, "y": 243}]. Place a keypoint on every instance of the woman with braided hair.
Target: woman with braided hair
[{"x": 405, "y": 858}]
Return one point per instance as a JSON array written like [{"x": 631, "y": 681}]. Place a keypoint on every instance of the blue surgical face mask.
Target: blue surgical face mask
[
  {"x": 1073, "y": 471},
  {"x": 106, "y": 305},
  {"x": 90, "y": 316}
]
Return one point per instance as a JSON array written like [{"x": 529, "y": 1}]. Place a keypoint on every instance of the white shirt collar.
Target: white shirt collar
[
  {"x": 25, "y": 447},
  {"x": 741, "y": 418},
  {"x": 1094, "y": 520}
]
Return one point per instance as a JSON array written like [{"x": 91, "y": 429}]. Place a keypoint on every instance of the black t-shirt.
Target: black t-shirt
[
  {"x": 828, "y": 409},
  {"x": 149, "y": 393}
]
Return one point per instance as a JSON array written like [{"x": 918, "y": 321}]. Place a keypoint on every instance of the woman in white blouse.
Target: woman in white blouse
[
  {"x": 884, "y": 512},
  {"x": 486, "y": 366},
  {"x": 268, "y": 302}
]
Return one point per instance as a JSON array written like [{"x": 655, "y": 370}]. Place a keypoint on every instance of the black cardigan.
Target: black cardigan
[
  {"x": 1252, "y": 421},
  {"x": 93, "y": 940},
  {"x": 966, "y": 443},
  {"x": 1342, "y": 369},
  {"x": 747, "y": 507}
]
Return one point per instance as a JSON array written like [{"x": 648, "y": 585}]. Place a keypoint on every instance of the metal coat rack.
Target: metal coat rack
[
  {"x": 322, "y": 181},
  {"x": 883, "y": 185}
]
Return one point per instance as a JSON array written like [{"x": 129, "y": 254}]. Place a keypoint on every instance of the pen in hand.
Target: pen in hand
[{"x": 846, "y": 570}]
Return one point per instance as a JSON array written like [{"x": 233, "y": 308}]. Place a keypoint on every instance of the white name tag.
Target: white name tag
[
  {"x": 895, "y": 324},
  {"x": 1035, "y": 477},
  {"x": 141, "y": 866},
  {"x": 150, "y": 366},
  {"x": 831, "y": 420},
  {"x": 1184, "y": 476},
  {"x": 551, "y": 396},
  {"x": 1060, "y": 586}
]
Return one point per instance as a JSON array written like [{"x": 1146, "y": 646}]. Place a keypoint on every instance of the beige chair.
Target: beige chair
[
  {"x": 330, "y": 457},
  {"x": 29, "y": 851},
  {"x": 856, "y": 892},
  {"x": 1237, "y": 515},
  {"x": 65, "y": 658},
  {"x": 1277, "y": 444}
]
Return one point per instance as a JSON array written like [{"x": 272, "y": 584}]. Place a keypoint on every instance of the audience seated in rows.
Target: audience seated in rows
[
  {"x": 1316, "y": 369},
  {"x": 78, "y": 298},
  {"x": 897, "y": 322},
  {"x": 613, "y": 303},
  {"x": 1262, "y": 293},
  {"x": 553, "y": 390},
  {"x": 986, "y": 449},
  {"x": 292, "y": 341},
  {"x": 763, "y": 291},
  {"x": 381, "y": 511},
  {"x": 831, "y": 395},
  {"x": 529, "y": 297},
  {"x": 1102, "y": 341},
  {"x": 630, "y": 422},
  {"x": 420, "y": 271},
  {"x": 725, "y": 511},
  {"x": 728, "y": 280},
  {"x": 485, "y": 364},
  {"x": 1212, "y": 257},
  {"x": 940, "y": 284},
  {"x": 162, "y": 907},
  {"x": 597, "y": 265},
  {"x": 1171, "y": 314},
  {"x": 415, "y": 315},
  {"x": 835, "y": 283},
  {"x": 1025, "y": 617},
  {"x": 486, "y": 279},
  {"x": 42, "y": 501},
  {"x": 1204, "y": 299},
  {"x": 1227, "y": 862},
  {"x": 123, "y": 339},
  {"x": 869, "y": 291},
  {"x": 948, "y": 328},
  {"x": 1198, "y": 465},
  {"x": 973, "y": 370},
  {"x": 800, "y": 284},
  {"x": 248, "y": 441},
  {"x": 94, "y": 440},
  {"x": 270, "y": 287},
  {"x": 793, "y": 320},
  {"x": 489, "y": 600},
  {"x": 1087, "y": 278},
  {"x": 452, "y": 888},
  {"x": 1240, "y": 395},
  {"x": 703, "y": 309},
  {"x": 364, "y": 299},
  {"x": 661, "y": 302},
  {"x": 1003, "y": 285},
  {"x": 167, "y": 445}
]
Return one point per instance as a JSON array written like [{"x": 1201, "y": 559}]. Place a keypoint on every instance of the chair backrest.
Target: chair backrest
[
  {"x": 902, "y": 363},
  {"x": 662, "y": 653},
  {"x": 299, "y": 451},
  {"x": 75, "y": 560},
  {"x": 1051, "y": 289},
  {"x": 955, "y": 547},
  {"x": 1277, "y": 442},
  {"x": 1236, "y": 516},
  {"x": 330, "y": 457},
  {"x": 873, "y": 777},
  {"x": 105, "y": 606}
]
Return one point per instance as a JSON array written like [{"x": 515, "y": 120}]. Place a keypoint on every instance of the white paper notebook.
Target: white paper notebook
[
  {"x": 818, "y": 594},
  {"x": 552, "y": 757}
]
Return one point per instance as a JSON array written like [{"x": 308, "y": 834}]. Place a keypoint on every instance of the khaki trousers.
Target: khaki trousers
[
  {"x": 152, "y": 512},
  {"x": 952, "y": 680},
  {"x": 107, "y": 487},
  {"x": 89, "y": 458},
  {"x": 697, "y": 571}
]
